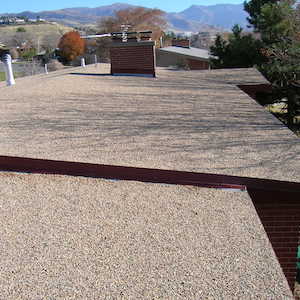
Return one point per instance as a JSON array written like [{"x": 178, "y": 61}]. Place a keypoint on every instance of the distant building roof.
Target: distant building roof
[{"x": 191, "y": 52}]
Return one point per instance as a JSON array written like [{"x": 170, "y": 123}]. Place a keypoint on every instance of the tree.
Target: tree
[
  {"x": 282, "y": 51},
  {"x": 22, "y": 39},
  {"x": 282, "y": 66},
  {"x": 276, "y": 20},
  {"x": 70, "y": 46},
  {"x": 29, "y": 53},
  {"x": 241, "y": 50},
  {"x": 138, "y": 18},
  {"x": 219, "y": 52},
  {"x": 278, "y": 24},
  {"x": 253, "y": 8},
  {"x": 14, "y": 53},
  {"x": 49, "y": 42},
  {"x": 283, "y": 70}
]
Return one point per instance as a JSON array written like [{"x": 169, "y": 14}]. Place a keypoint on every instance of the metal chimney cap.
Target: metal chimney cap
[{"x": 119, "y": 33}]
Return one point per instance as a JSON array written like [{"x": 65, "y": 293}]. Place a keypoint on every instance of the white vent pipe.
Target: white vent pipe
[
  {"x": 6, "y": 59},
  {"x": 95, "y": 36}
]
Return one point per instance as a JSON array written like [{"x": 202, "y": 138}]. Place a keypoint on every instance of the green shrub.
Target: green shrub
[
  {"x": 21, "y": 29},
  {"x": 29, "y": 54}
]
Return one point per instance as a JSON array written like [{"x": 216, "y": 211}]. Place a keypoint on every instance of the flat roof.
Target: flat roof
[
  {"x": 69, "y": 237},
  {"x": 64, "y": 237},
  {"x": 188, "y": 121}
]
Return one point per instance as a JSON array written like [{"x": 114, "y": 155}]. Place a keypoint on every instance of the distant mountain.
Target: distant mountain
[
  {"x": 78, "y": 15},
  {"x": 220, "y": 15},
  {"x": 179, "y": 23},
  {"x": 193, "y": 19}
]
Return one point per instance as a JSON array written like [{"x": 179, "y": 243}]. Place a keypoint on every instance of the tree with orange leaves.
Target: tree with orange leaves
[
  {"x": 139, "y": 18},
  {"x": 70, "y": 46}
]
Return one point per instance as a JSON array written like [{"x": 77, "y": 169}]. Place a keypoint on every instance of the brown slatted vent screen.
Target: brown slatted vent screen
[{"x": 133, "y": 58}]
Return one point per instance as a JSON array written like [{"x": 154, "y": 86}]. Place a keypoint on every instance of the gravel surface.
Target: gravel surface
[
  {"x": 78, "y": 238},
  {"x": 64, "y": 237},
  {"x": 192, "y": 121}
]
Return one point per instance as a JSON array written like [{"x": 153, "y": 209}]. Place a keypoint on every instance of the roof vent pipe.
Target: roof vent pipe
[
  {"x": 6, "y": 59},
  {"x": 82, "y": 62},
  {"x": 124, "y": 29}
]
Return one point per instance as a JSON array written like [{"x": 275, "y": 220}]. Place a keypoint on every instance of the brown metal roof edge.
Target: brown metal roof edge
[{"x": 44, "y": 166}]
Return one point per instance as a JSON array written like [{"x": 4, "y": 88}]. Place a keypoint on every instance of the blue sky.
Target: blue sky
[{"x": 38, "y": 5}]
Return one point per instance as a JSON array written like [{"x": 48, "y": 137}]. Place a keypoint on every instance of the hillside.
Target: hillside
[
  {"x": 35, "y": 32},
  {"x": 193, "y": 19},
  {"x": 77, "y": 16},
  {"x": 41, "y": 28}
]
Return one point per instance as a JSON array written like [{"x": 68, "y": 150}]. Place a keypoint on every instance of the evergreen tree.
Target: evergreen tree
[
  {"x": 253, "y": 8},
  {"x": 241, "y": 50},
  {"x": 219, "y": 53},
  {"x": 276, "y": 20}
]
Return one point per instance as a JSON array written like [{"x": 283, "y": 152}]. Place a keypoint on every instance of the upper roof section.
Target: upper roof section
[{"x": 191, "y": 121}]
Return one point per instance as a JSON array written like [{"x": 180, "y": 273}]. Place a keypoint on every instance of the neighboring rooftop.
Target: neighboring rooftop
[
  {"x": 68, "y": 237},
  {"x": 191, "y": 121},
  {"x": 190, "y": 52}
]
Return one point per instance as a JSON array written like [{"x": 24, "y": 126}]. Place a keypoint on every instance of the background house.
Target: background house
[{"x": 180, "y": 54}]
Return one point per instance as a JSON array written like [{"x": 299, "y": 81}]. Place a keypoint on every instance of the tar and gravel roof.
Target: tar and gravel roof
[
  {"x": 191, "y": 121},
  {"x": 68, "y": 237},
  {"x": 79, "y": 238}
]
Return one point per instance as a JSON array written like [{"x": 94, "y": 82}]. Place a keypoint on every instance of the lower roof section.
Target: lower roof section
[
  {"x": 68, "y": 237},
  {"x": 196, "y": 121}
]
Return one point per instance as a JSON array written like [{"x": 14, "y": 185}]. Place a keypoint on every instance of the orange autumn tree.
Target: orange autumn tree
[
  {"x": 140, "y": 19},
  {"x": 70, "y": 46}
]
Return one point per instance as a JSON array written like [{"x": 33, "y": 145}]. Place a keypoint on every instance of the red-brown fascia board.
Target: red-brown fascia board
[{"x": 43, "y": 166}]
